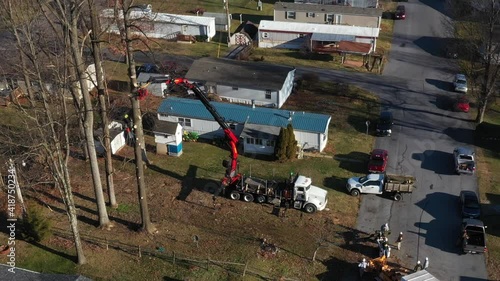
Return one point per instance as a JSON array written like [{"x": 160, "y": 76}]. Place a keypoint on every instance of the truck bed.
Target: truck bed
[
  {"x": 258, "y": 186},
  {"x": 475, "y": 243},
  {"x": 397, "y": 183}
]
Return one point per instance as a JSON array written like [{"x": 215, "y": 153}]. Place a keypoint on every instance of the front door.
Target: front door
[{"x": 371, "y": 187}]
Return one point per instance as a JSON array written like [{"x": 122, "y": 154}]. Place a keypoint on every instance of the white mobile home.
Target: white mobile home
[
  {"x": 162, "y": 25},
  {"x": 244, "y": 82},
  {"x": 295, "y": 35}
]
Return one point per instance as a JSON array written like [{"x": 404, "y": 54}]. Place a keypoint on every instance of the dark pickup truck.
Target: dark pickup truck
[{"x": 473, "y": 236}]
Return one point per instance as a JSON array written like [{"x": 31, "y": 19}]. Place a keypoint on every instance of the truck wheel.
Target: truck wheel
[
  {"x": 398, "y": 197},
  {"x": 247, "y": 197},
  {"x": 261, "y": 199},
  {"x": 310, "y": 208},
  {"x": 234, "y": 195},
  {"x": 355, "y": 192}
]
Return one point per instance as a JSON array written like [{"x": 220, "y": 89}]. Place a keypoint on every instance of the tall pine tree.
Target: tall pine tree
[
  {"x": 281, "y": 143},
  {"x": 291, "y": 147}
]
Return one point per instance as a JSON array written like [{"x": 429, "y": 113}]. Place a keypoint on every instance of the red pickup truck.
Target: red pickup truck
[{"x": 378, "y": 161}]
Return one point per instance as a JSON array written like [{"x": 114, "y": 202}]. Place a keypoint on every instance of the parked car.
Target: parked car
[
  {"x": 469, "y": 204},
  {"x": 464, "y": 159},
  {"x": 400, "y": 12},
  {"x": 461, "y": 104},
  {"x": 384, "y": 124},
  {"x": 460, "y": 83},
  {"x": 378, "y": 161}
]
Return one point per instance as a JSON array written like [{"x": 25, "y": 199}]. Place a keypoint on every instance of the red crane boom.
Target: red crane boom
[{"x": 232, "y": 176}]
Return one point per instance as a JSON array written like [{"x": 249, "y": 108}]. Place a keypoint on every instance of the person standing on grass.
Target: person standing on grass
[{"x": 399, "y": 240}]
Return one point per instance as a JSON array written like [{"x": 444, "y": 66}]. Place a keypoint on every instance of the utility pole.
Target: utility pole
[{"x": 226, "y": 2}]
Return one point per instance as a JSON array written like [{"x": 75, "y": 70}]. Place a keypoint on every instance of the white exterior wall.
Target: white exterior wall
[
  {"x": 246, "y": 96},
  {"x": 175, "y": 139},
  {"x": 287, "y": 88},
  {"x": 166, "y": 30},
  {"x": 210, "y": 129},
  {"x": 118, "y": 142},
  {"x": 283, "y": 40}
]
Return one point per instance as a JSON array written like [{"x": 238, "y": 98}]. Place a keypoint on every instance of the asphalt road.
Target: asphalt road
[{"x": 421, "y": 144}]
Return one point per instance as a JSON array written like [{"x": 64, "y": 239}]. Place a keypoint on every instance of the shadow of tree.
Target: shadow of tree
[{"x": 353, "y": 161}]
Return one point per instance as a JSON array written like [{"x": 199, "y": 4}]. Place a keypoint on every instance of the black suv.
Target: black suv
[
  {"x": 400, "y": 12},
  {"x": 384, "y": 124}
]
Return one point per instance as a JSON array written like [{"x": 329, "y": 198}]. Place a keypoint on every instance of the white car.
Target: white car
[{"x": 460, "y": 83}]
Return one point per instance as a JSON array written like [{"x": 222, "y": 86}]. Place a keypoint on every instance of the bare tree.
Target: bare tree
[
  {"x": 139, "y": 145},
  {"x": 68, "y": 14},
  {"x": 44, "y": 130},
  {"x": 474, "y": 22},
  {"x": 102, "y": 93}
]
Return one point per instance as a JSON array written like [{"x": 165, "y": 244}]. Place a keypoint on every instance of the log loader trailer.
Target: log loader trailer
[{"x": 296, "y": 192}]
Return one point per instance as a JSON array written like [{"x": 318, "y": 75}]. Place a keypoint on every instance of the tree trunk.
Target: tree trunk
[
  {"x": 101, "y": 91},
  {"x": 88, "y": 121},
  {"x": 75, "y": 93},
  {"x": 139, "y": 135}
]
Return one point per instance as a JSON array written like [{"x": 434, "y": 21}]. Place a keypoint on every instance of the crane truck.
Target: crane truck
[{"x": 296, "y": 192}]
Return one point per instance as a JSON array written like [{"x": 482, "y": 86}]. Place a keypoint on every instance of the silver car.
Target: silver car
[{"x": 460, "y": 83}]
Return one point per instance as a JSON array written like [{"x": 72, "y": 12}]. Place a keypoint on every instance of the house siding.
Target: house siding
[
  {"x": 152, "y": 26},
  {"x": 321, "y": 17},
  {"x": 283, "y": 40},
  {"x": 210, "y": 129},
  {"x": 245, "y": 96}
]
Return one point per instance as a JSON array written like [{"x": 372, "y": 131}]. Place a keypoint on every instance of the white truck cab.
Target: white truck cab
[{"x": 310, "y": 197}]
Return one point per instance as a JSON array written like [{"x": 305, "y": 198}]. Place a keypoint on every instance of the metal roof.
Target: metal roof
[
  {"x": 191, "y": 108},
  {"x": 237, "y": 73},
  {"x": 335, "y": 9},
  {"x": 332, "y": 37},
  {"x": 421, "y": 275},
  {"x": 163, "y": 17},
  {"x": 300, "y": 27},
  {"x": 260, "y": 131}
]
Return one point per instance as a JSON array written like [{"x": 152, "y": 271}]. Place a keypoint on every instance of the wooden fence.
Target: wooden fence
[{"x": 176, "y": 258}]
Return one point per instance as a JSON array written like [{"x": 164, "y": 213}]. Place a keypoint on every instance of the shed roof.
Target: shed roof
[
  {"x": 190, "y": 108},
  {"x": 144, "y": 77},
  {"x": 163, "y": 17},
  {"x": 165, "y": 127},
  {"x": 337, "y": 9},
  {"x": 237, "y": 73},
  {"x": 300, "y": 27}
]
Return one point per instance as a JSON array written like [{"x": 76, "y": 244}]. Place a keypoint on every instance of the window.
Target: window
[
  {"x": 258, "y": 141},
  {"x": 268, "y": 94},
  {"x": 185, "y": 122},
  {"x": 270, "y": 143},
  {"x": 250, "y": 141},
  {"x": 232, "y": 126},
  {"x": 163, "y": 115},
  {"x": 290, "y": 15},
  {"x": 310, "y": 15},
  {"x": 235, "y": 88},
  {"x": 329, "y": 18}
]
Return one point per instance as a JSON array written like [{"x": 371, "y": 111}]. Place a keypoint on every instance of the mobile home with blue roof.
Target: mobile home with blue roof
[{"x": 257, "y": 127}]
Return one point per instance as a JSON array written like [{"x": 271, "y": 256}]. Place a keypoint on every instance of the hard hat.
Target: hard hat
[
  {"x": 364, "y": 260},
  {"x": 418, "y": 262},
  {"x": 126, "y": 116},
  {"x": 401, "y": 233},
  {"x": 426, "y": 258}
]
